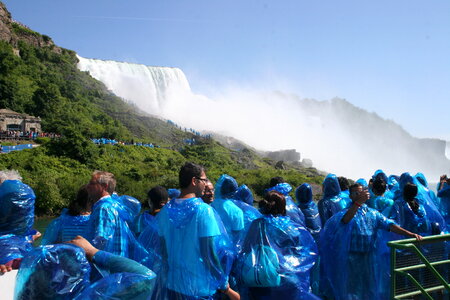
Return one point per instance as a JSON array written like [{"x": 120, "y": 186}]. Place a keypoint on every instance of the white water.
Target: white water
[{"x": 337, "y": 136}]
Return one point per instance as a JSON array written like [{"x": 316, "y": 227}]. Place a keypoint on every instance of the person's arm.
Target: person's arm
[
  {"x": 109, "y": 262},
  {"x": 210, "y": 257},
  {"x": 399, "y": 230}
]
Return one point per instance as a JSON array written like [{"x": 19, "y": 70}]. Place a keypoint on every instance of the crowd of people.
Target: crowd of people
[
  {"x": 206, "y": 241},
  {"x": 26, "y": 135}
]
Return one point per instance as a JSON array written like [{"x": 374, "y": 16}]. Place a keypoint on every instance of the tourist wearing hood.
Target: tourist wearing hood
[
  {"x": 309, "y": 208},
  {"x": 16, "y": 220},
  {"x": 331, "y": 202},
  {"x": 444, "y": 200},
  {"x": 230, "y": 214},
  {"x": 424, "y": 182}
]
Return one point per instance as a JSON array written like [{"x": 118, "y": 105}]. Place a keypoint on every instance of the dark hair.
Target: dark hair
[
  {"x": 81, "y": 203},
  {"x": 409, "y": 195},
  {"x": 353, "y": 187},
  {"x": 156, "y": 196},
  {"x": 274, "y": 203},
  {"x": 187, "y": 172},
  {"x": 379, "y": 186},
  {"x": 343, "y": 183},
  {"x": 276, "y": 180}
]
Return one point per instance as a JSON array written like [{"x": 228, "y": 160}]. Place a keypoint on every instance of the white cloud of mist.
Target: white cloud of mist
[{"x": 266, "y": 120}]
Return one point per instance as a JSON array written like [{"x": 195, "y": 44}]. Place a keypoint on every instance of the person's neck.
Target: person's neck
[{"x": 186, "y": 194}]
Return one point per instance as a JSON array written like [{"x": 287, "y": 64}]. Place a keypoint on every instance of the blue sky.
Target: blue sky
[{"x": 391, "y": 57}]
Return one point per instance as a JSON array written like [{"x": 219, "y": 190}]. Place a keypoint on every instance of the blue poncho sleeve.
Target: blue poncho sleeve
[
  {"x": 16, "y": 208},
  {"x": 13, "y": 246},
  {"x": 52, "y": 272}
]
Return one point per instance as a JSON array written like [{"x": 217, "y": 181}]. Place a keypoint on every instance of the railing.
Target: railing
[{"x": 420, "y": 268}]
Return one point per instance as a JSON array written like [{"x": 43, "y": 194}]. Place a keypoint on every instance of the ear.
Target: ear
[{"x": 193, "y": 181}]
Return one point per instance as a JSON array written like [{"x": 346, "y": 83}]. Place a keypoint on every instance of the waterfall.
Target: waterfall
[
  {"x": 337, "y": 136},
  {"x": 147, "y": 87}
]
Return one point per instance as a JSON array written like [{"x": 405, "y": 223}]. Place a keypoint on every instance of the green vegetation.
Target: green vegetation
[{"x": 45, "y": 82}]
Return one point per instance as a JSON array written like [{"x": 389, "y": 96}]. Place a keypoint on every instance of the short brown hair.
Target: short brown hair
[{"x": 274, "y": 203}]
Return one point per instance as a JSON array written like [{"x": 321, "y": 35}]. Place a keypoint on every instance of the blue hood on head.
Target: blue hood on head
[
  {"x": 404, "y": 179},
  {"x": 331, "y": 186},
  {"x": 226, "y": 187},
  {"x": 282, "y": 188},
  {"x": 380, "y": 174},
  {"x": 304, "y": 193},
  {"x": 421, "y": 178},
  {"x": 244, "y": 194}
]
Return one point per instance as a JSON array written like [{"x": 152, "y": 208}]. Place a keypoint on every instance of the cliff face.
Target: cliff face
[{"x": 12, "y": 32}]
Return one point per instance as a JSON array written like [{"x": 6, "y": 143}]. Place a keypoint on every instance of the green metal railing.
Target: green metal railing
[{"x": 420, "y": 268}]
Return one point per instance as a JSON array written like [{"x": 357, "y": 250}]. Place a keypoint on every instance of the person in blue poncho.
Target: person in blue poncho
[
  {"x": 277, "y": 254},
  {"x": 281, "y": 186},
  {"x": 331, "y": 202},
  {"x": 444, "y": 199},
  {"x": 377, "y": 200},
  {"x": 410, "y": 214},
  {"x": 423, "y": 181},
  {"x": 312, "y": 218},
  {"x": 73, "y": 221},
  {"x": 351, "y": 243},
  {"x": 245, "y": 195},
  {"x": 188, "y": 229},
  {"x": 62, "y": 271},
  {"x": 232, "y": 216},
  {"x": 16, "y": 220},
  {"x": 108, "y": 227},
  {"x": 157, "y": 198},
  {"x": 424, "y": 199}
]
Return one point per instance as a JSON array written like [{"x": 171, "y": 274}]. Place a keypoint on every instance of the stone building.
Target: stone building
[{"x": 11, "y": 120}]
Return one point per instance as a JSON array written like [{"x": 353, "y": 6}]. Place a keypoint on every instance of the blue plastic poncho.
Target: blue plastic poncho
[
  {"x": 65, "y": 228},
  {"x": 404, "y": 216},
  {"x": 14, "y": 246},
  {"x": 424, "y": 199},
  {"x": 16, "y": 208},
  {"x": 444, "y": 204},
  {"x": 292, "y": 209},
  {"x": 232, "y": 216},
  {"x": 379, "y": 203},
  {"x": 423, "y": 181},
  {"x": 142, "y": 221},
  {"x": 244, "y": 194},
  {"x": 331, "y": 203},
  {"x": 52, "y": 272},
  {"x": 129, "y": 207},
  {"x": 192, "y": 264},
  {"x": 123, "y": 286},
  {"x": 353, "y": 255},
  {"x": 276, "y": 259},
  {"x": 312, "y": 218},
  {"x": 108, "y": 229},
  {"x": 173, "y": 193}
]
